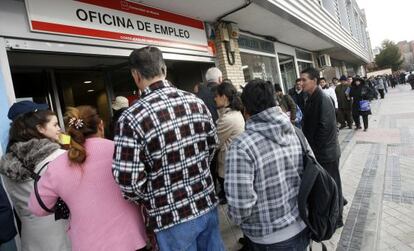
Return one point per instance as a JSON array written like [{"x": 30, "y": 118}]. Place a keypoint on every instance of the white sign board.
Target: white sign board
[
  {"x": 119, "y": 20},
  {"x": 380, "y": 72}
]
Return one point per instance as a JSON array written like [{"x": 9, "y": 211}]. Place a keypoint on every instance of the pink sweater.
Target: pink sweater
[{"x": 100, "y": 218}]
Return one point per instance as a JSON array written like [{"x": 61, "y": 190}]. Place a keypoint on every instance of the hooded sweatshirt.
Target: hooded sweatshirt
[{"x": 263, "y": 173}]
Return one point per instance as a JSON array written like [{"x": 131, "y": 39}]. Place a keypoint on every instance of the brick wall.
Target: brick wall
[{"x": 233, "y": 72}]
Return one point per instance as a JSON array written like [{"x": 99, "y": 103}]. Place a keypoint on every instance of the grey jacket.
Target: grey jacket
[
  {"x": 263, "y": 173},
  {"x": 38, "y": 233}
]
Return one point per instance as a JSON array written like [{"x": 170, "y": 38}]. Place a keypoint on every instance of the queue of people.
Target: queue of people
[{"x": 174, "y": 157}]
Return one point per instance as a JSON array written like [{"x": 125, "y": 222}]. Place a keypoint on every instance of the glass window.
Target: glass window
[
  {"x": 344, "y": 20},
  {"x": 331, "y": 6},
  {"x": 303, "y": 55},
  {"x": 287, "y": 71},
  {"x": 257, "y": 66},
  {"x": 37, "y": 91},
  {"x": 303, "y": 65}
]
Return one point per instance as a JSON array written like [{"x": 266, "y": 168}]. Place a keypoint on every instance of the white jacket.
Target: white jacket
[{"x": 331, "y": 93}]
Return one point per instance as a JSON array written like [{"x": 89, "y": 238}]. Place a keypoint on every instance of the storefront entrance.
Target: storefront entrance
[{"x": 63, "y": 80}]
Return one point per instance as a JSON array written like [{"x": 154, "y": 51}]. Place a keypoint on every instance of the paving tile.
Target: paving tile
[{"x": 391, "y": 125}]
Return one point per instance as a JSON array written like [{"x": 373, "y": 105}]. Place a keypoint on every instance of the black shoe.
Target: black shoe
[
  {"x": 350, "y": 127},
  {"x": 365, "y": 129},
  {"x": 339, "y": 223},
  {"x": 243, "y": 241},
  {"x": 345, "y": 202},
  {"x": 342, "y": 127}
]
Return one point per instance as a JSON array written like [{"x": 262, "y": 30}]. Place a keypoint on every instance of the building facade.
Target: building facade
[
  {"x": 68, "y": 53},
  {"x": 407, "y": 52}
]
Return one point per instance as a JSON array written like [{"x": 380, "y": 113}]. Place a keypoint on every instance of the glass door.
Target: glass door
[
  {"x": 287, "y": 71},
  {"x": 84, "y": 87}
]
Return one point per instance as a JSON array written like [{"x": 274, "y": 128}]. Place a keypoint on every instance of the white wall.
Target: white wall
[{"x": 311, "y": 14}]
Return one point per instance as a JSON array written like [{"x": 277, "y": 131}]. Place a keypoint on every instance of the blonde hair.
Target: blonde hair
[{"x": 81, "y": 122}]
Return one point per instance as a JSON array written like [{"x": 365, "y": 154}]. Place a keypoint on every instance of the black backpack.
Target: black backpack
[{"x": 318, "y": 199}]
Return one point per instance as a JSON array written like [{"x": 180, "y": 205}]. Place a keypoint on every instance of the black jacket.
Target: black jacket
[
  {"x": 358, "y": 93},
  {"x": 319, "y": 127},
  {"x": 7, "y": 227},
  {"x": 298, "y": 98},
  {"x": 206, "y": 93}
]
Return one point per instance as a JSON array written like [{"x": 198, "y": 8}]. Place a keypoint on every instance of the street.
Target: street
[{"x": 377, "y": 178}]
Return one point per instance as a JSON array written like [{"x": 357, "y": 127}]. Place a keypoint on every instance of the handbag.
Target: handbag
[
  {"x": 60, "y": 209},
  {"x": 364, "y": 106}
]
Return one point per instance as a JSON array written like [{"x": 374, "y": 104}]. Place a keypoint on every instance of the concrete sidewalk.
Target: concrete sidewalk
[{"x": 377, "y": 169}]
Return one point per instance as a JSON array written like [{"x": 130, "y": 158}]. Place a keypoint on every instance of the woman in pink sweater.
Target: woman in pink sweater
[{"x": 100, "y": 219}]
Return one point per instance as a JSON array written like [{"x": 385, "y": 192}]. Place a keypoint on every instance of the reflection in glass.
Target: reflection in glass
[{"x": 257, "y": 66}]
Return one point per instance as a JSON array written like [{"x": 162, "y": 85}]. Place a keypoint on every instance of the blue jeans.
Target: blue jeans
[
  {"x": 201, "y": 233},
  {"x": 299, "y": 242},
  {"x": 8, "y": 246}
]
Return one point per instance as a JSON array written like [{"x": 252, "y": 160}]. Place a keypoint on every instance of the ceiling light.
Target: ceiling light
[
  {"x": 87, "y": 81},
  {"x": 91, "y": 90}
]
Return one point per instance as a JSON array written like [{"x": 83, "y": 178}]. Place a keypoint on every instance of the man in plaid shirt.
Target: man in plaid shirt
[
  {"x": 163, "y": 147},
  {"x": 263, "y": 174}
]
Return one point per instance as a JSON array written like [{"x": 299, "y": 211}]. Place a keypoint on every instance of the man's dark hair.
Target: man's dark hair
[
  {"x": 226, "y": 80},
  {"x": 320, "y": 79},
  {"x": 148, "y": 61},
  {"x": 257, "y": 96},
  {"x": 312, "y": 73},
  {"x": 278, "y": 88},
  {"x": 334, "y": 78},
  {"x": 298, "y": 80}
]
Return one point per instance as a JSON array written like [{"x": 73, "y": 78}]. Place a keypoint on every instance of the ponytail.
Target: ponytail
[
  {"x": 82, "y": 122},
  {"x": 235, "y": 102},
  {"x": 228, "y": 89}
]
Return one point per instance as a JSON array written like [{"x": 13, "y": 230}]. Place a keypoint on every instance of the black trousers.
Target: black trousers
[
  {"x": 221, "y": 194},
  {"x": 344, "y": 117},
  {"x": 381, "y": 92},
  {"x": 332, "y": 167},
  {"x": 358, "y": 121},
  {"x": 213, "y": 171}
]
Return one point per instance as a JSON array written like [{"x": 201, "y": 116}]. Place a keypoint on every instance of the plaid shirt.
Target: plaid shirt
[
  {"x": 263, "y": 168},
  {"x": 163, "y": 147}
]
